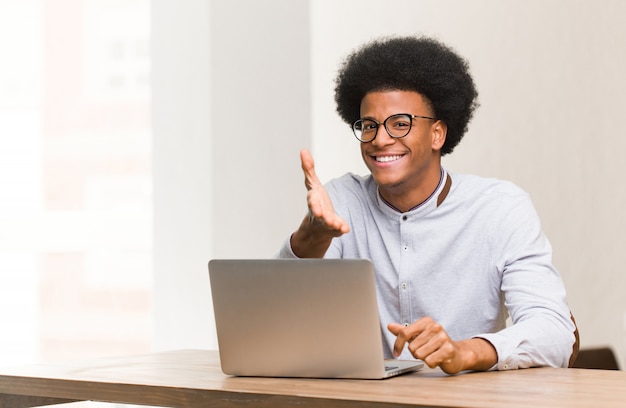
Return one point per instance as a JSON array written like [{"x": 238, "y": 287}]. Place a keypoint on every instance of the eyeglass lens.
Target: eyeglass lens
[{"x": 396, "y": 125}]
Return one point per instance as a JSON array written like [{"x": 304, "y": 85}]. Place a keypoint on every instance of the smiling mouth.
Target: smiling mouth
[{"x": 387, "y": 159}]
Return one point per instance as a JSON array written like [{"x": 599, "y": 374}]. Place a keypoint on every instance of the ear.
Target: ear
[{"x": 439, "y": 131}]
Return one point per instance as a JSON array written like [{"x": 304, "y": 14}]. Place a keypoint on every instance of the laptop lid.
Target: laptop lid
[{"x": 299, "y": 318}]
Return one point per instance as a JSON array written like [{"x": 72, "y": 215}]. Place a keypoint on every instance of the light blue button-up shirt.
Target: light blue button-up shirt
[{"x": 468, "y": 263}]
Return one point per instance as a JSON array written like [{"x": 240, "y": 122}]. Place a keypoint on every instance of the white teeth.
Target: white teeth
[{"x": 385, "y": 159}]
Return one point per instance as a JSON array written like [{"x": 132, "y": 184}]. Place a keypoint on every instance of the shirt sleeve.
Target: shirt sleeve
[
  {"x": 542, "y": 333},
  {"x": 285, "y": 251}
]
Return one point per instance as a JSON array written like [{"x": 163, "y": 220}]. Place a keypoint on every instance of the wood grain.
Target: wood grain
[{"x": 192, "y": 378}]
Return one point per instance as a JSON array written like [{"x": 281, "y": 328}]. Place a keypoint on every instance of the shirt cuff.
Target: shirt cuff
[
  {"x": 286, "y": 251},
  {"x": 505, "y": 348}
]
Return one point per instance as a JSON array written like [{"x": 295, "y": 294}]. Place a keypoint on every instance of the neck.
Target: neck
[{"x": 403, "y": 200}]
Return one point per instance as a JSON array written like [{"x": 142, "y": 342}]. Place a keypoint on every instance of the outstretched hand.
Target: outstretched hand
[
  {"x": 321, "y": 224},
  {"x": 321, "y": 210}
]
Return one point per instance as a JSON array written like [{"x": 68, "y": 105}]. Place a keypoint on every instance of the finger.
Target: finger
[
  {"x": 402, "y": 337},
  {"x": 308, "y": 167},
  {"x": 337, "y": 224},
  {"x": 394, "y": 328},
  {"x": 412, "y": 334},
  {"x": 343, "y": 228},
  {"x": 428, "y": 345},
  {"x": 442, "y": 356},
  {"x": 330, "y": 220}
]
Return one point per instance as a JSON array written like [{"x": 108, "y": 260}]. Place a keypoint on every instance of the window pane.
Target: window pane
[{"x": 75, "y": 179}]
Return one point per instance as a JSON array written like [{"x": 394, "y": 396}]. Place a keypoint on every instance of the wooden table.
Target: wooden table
[{"x": 192, "y": 378}]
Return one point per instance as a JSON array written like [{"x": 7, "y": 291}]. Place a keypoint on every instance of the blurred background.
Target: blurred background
[
  {"x": 75, "y": 179},
  {"x": 139, "y": 139}
]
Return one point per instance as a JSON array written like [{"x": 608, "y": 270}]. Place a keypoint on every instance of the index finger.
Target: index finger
[
  {"x": 408, "y": 334},
  {"x": 308, "y": 167},
  {"x": 403, "y": 335}
]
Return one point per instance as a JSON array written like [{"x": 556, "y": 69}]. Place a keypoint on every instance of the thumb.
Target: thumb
[{"x": 308, "y": 167}]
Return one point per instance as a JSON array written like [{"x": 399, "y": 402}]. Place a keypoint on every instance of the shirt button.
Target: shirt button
[
  {"x": 405, "y": 247},
  {"x": 406, "y": 325},
  {"x": 404, "y": 218},
  {"x": 404, "y": 285}
]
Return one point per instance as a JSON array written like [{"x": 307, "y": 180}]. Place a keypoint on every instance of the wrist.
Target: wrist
[
  {"x": 306, "y": 244},
  {"x": 478, "y": 354}
]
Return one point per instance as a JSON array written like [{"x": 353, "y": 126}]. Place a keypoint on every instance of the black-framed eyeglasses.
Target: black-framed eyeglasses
[{"x": 397, "y": 126}]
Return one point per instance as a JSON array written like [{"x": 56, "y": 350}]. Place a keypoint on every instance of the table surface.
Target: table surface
[{"x": 192, "y": 378}]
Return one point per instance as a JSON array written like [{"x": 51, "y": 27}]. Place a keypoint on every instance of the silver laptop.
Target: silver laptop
[{"x": 300, "y": 318}]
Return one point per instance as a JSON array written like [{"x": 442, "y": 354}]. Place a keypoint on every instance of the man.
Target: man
[{"x": 454, "y": 254}]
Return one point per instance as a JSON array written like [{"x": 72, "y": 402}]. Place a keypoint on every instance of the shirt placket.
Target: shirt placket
[{"x": 404, "y": 284}]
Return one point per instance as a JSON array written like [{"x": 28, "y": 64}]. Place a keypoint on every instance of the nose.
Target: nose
[{"x": 382, "y": 137}]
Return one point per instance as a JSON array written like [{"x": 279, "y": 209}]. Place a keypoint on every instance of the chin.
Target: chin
[{"x": 387, "y": 183}]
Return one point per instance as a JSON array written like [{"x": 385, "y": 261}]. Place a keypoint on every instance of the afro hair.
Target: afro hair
[{"x": 419, "y": 64}]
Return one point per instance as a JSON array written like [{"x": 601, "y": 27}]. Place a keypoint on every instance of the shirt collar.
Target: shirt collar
[{"x": 434, "y": 200}]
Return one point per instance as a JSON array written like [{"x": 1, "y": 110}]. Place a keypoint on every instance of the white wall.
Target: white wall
[
  {"x": 260, "y": 109},
  {"x": 182, "y": 173},
  {"x": 231, "y": 108},
  {"x": 551, "y": 85}
]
